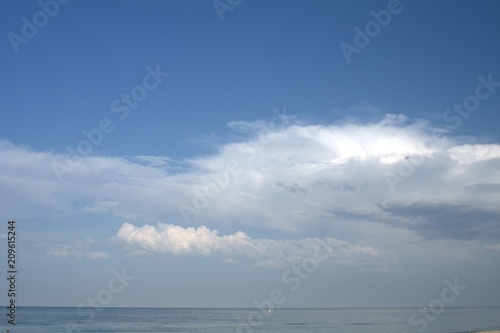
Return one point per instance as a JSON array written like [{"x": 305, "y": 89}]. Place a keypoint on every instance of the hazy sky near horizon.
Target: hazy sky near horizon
[{"x": 215, "y": 154}]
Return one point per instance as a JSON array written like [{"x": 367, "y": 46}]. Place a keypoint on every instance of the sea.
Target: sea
[{"x": 339, "y": 320}]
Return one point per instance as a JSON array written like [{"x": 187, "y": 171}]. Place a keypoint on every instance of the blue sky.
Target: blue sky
[{"x": 260, "y": 144}]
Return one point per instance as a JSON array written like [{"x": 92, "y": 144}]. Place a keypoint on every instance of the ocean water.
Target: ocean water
[{"x": 373, "y": 320}]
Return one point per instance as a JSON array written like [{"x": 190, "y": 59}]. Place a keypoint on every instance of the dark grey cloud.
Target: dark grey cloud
[
  {"x": 338, "y": 186},
  {"x": 443, "y": 220},
  {"x": 486, "y": 188},
  {"x": 352, "y": 214},
  {"x": 294, "y": 188}
]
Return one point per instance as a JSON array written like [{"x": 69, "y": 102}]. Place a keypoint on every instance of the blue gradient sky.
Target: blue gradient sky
[{"x": 320, "y": 174}]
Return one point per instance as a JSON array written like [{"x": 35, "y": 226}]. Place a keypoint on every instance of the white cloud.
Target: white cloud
[
  {"x": 176, "y": 240},
  {"x": 469, "y": 154}
]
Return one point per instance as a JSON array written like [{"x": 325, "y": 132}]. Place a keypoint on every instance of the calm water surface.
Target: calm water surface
[{"x": 40, "y": 319}]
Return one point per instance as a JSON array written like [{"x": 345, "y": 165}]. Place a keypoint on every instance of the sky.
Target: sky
[{"x": 205, "y": 153}]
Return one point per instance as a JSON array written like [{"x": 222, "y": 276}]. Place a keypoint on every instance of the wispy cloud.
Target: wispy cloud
[
  {"x": 101, "y": 207},
  {"x": 78, "y": 249},
  {"x": 494, "y": 247}
]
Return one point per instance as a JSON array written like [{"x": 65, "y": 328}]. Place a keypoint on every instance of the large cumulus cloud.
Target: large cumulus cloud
[{"x": 351, "y": 182}]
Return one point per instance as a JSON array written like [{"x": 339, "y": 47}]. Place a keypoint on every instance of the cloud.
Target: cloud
[
  {"x": 294, "y": 188},
  {"x": 176, "y": 240},
  {"x": 279, "y": 179},
  {"x": 492, "y": 188},
  {"x": 66, "y": 253},
  {"x": 443, "y": 220},
  {"x": 78, "y": 249},
  {"x": 101, "y": 207},
  {"x": 154, "y": 161},
  {"x": 494, "y": 247}
]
